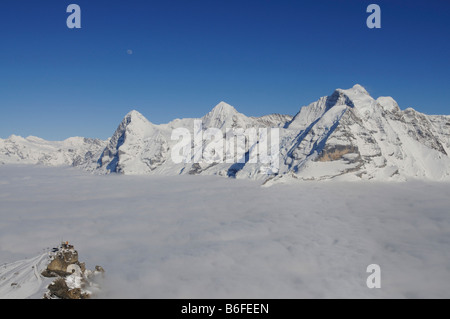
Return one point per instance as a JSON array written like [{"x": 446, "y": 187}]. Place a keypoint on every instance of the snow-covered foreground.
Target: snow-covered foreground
[
  {"x": 211, "y": 237},
  {"x": 22, "y": 279}
]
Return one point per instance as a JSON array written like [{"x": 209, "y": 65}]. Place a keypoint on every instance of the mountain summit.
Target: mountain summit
[
  {"x": 224, "y": 115},
  {"x": 132, "y": 148},
  {"x": 350, "y": 134},
  {"x": 346, "y": 135},
  {"x": 356, "y": 89},
  {"x": 223, "y": 108}
]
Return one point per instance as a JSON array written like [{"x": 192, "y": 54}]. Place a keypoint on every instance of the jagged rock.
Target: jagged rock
[
  {"x": 72, "y": 277},
  {"x": 57, "y": 265},
  {"x": 336, "y": 152},
  {"x": 61, "y": 261},
  {"x": 82, "y": 267},
  {"x": 100, "y": 269},
  {"x": 58, "y": 288}
]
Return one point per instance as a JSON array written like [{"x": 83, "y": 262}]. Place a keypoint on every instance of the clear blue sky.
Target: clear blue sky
[{"x": 260, "y": 56}]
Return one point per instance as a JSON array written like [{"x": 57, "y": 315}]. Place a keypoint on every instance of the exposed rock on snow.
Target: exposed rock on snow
[
  {"x": 53, "y": 274},
  {"x": 73, "y": 280}
]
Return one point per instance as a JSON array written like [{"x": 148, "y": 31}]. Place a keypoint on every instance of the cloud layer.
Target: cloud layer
[{"x": 208, "y": 237}]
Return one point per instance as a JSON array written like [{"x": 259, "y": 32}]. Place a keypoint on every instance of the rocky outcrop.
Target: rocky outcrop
[
  {"x": 59, "y": 289},
  {"x": 72, "y": 279},
  {"x": 336, "y": 152}
]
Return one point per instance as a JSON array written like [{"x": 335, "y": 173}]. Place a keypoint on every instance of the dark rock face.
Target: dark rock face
[
  {"x": 59, "y": 289},
  {"x": 72, "y": 277},
  {"x": 62, "y": 259},
  {"x": 336, "y": 152}
]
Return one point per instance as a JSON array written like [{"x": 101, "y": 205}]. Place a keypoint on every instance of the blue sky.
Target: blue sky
[{"x": 260, "y": 56}]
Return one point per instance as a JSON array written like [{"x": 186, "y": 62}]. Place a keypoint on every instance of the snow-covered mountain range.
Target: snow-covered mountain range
[
  {"x": 347, "y": 135},
  {"x": 74, "y": 151}
]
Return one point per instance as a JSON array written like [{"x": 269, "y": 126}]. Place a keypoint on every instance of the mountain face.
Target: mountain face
[
  {"x": 140, "y": 147},
  {"x": 347, "y": 135},
  {"x": 350, "y": 133},
  {"x": 136, "y": 147}
]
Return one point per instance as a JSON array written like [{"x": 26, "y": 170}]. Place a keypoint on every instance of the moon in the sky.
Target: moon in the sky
[{"x": 130, "y": 52}]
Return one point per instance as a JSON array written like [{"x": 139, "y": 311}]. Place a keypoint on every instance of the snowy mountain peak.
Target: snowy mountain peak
[
  {"x": 16, "y": 138},
  {"x": 223, "y": 108},
  {"x": 388, "y": 103},
  {"x": 128, "y": 137},
  {"x": 357, "y": 98},
  {"x": 134, "y": 116},
  {"x": 134, "y": 113},
  {"x": 359, "y": 89},
  {"x": 355, "y": 91},
  {"x": 223, "y": 115},
  {"x": 347, "y": 133},
  {"x": 338, "y": 99},
  {"x": 134, "y": 123}
]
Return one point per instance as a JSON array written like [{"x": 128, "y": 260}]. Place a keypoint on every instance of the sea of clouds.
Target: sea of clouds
[{"x": 213, "y": 237}]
